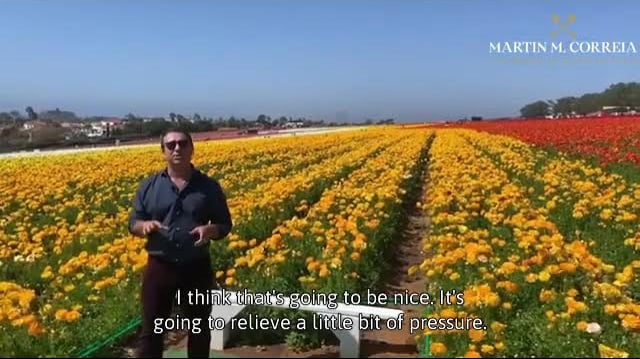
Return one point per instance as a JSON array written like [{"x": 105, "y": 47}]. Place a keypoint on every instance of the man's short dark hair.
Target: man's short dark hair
[{"x": 177, "y": 130}]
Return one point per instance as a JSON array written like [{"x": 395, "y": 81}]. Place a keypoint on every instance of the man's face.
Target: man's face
[{"x": 177, "y": 149}]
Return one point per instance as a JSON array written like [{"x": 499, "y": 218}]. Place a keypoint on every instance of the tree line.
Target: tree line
[
  {"x": 51, "y": 132},
  {"x": 156, "y": 125},
  {"x": 624, "y": 96}
]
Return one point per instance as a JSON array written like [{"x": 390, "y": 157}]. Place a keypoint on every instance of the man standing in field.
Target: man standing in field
[{"x": 179, "y": 210}]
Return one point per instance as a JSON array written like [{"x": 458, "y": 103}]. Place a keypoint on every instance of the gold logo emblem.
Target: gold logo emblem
[{"x": 563, "y": 26}]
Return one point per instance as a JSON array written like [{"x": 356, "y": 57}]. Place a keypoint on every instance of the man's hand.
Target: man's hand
[
  {"x": 150, "y": 226},
  {"x": 205, "y": 233}
]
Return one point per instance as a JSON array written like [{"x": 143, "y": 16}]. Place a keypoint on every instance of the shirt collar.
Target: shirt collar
[{"x": 194, "y": 172}]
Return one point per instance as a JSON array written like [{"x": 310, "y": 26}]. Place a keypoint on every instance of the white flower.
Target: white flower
[
  {"x": 482, "y": 258},
  {"x": 594, "y": 328}
]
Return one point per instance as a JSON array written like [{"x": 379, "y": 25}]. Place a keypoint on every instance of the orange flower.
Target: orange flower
[
  {"x": 72, "y": 315},
  {"x": 438, "y": 348},
  {"x": 631, "y": 322},
  {"x": 546, "y": 295},
  {"x": 472, "y": 354},
  {"x": 476, "y": 335},
  {"x": 35, "y": 329}
]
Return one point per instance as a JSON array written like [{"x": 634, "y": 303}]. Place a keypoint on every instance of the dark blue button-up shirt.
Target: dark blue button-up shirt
[{"x": 200, "y": 201}]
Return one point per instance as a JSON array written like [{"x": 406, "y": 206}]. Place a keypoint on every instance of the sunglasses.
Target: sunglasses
[{"x": 171, "y": 145}]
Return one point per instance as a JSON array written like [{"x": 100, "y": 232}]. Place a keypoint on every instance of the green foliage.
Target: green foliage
[
  {"x": 536, "y": 109},
  {"x": 621, "y": 96}
]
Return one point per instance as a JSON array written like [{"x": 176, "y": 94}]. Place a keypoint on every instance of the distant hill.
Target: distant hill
[{"x": 618, "y": 97}]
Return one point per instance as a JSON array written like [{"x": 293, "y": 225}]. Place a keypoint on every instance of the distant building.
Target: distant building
[
  {"x": 619, "y": 110},
  {"x": 69, "y": 124},
  {"x": 30, "y": 125},
  {"x": 113, "y": 123},
  {"x": 597, "y": 114},
  {"x": 293, "y": 124}
]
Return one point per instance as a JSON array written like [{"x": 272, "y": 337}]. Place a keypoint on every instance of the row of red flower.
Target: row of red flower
[{"x": 609, "y": 139}]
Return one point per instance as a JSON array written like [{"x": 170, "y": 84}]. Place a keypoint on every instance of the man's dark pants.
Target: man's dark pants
[{"x": 161, "y": 279}]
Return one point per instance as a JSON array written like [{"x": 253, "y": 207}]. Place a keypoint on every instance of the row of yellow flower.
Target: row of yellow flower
[
  {"x": 270, "y": 195},
  {"x": 236, "y": 198},
  {"x": 286, "y": 161},
  {"x": 539, "y": 292},
  {"x": 336, "y": 243},
  {"x": 81, "y": 200},
  {"x": 593, "y": 192}
]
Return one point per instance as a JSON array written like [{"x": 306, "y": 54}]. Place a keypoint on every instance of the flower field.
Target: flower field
[
  {"x": 605, "y": 139},
  {"x": 544, "y": 247},
  {"x": 70, "y": 272},
  {"x": 544, "y": 244}
]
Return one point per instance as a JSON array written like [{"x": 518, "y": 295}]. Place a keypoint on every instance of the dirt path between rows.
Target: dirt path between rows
[{"x": 401, "y": 343}]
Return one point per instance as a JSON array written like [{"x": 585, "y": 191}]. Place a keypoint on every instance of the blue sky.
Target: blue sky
[{"x": 346, "y": 60}]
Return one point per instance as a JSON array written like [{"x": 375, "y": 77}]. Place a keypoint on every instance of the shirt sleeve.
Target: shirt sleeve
[
  {"x": 219, "y": 213},
  {"x": 139, "y": 211}
]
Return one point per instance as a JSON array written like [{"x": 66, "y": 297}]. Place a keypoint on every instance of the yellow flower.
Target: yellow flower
[
  {"x": 551, "y": 205},
  {"x": 608, "y": 352},
  {"x": 487, "y": 349},
  {"x": 497, "y": 327},
  {"x": 544, "y": 276}
]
